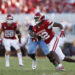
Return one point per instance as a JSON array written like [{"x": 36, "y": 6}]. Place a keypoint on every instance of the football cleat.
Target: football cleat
[
  {"x": 34, "y": 64},
  {"x": 7, "y": 65},
  {"x": 60, "y": 68},
  {"x": 21, "y": 65}
]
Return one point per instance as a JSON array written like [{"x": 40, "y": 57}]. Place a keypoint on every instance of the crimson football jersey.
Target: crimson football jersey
[
  {"x": 9, "y": 31},
  {"x": 44, "y": 30}
]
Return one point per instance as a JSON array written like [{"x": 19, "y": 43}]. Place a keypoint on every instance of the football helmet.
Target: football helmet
[
  {"x": 9, "y": 19},
  {"x": 38, "y": 17}
]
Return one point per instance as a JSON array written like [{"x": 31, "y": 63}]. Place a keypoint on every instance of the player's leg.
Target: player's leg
[
  {"x": 31, "y": 47},
  {"x": 52, "y": 47},
  {"x": 7, "y": 52},
  {"x": 62, "y": 56},
  {"x": 34, "y": 60},
  {"x": 19, "y": 54},
  {"x": 46, "y": 51},
  {"x": 33, "y": 56},
  {"x": 52, "y": 56},
  {"x": 6, "y": 43},
  {"x": 68, "y": 59},
  {"x": 15, "y": 44}
]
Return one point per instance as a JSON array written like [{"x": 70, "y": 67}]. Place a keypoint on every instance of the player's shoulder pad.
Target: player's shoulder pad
[
  {"x": 3, "y": 24},
  {"x": 48, "y": 21},
  {"x": 14, "y": 23},
  {"x": 30, "y": 27}
]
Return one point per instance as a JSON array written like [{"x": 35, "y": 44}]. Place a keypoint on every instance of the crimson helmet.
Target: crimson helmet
[
  {"x": 39, "y": 17},
  {"x": 9, "y": 19}
]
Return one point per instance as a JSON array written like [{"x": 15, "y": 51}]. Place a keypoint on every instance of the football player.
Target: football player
[
  {"x": 10, "y": 29},
  {"x": 33, "y": 42},
  {"x": 44, "y": 29}
]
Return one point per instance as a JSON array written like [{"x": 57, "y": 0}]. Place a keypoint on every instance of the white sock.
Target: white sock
[
  {"x": 20, "y": 58},
  {"x": 7, "y": 60},
  {"x": 59, "y": 65}
]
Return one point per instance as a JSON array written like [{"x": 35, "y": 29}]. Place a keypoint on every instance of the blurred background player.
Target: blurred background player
[{"x": 10, "y": 29}]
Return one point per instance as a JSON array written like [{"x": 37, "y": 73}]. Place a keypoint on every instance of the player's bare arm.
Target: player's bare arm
[
  {"x": 58, "y": 25},
  {"x": 0, "y": 36},
  {"x": 1, "y": 31},
  {"x": 18, "y": 34}
]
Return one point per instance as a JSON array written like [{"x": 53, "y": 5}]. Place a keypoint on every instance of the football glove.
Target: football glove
[
  {"x": 39, "y": 38},
  {"x": 34, "y": 39},
  {"x": 62, "y": 33}
]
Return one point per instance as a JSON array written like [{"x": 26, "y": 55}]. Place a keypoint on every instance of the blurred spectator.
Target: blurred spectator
[
  {"x": 32, "y": 6},
  {"x": 37, "y": 9},
  {"x": 67, "y": 25},
  {"x": 3, "y": 8}
]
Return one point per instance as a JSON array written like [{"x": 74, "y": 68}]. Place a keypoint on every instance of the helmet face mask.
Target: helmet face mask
[
  {"x": 9, "y": 19},
  {"x": 38, "y": 18}
]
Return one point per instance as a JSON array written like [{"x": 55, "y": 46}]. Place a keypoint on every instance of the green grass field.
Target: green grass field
[{"x": 43, "y": 68}]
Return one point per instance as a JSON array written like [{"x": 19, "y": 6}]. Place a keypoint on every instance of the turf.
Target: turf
[{"x": 43, "y": 68}]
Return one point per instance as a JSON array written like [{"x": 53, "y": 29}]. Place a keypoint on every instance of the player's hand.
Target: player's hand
[
  {"x": 34, "y": 39},
  {"x": 62, "y": 33},
  {"x": 39, "y": 38}
]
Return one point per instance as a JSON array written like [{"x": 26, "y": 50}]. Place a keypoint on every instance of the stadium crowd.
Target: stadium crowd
[{"x": 32, "y": 6}]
